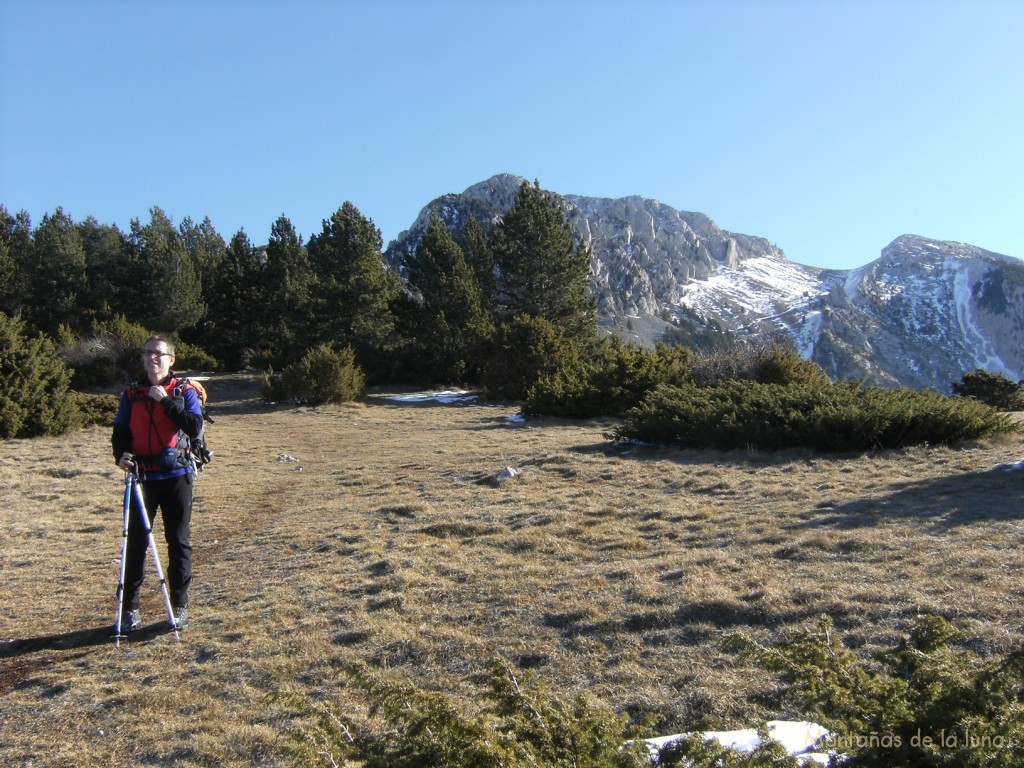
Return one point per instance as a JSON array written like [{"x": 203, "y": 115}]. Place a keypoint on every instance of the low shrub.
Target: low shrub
[
  {"x": 515, "y": 722},
  {"x": 696, "y": 752},
  {"x": 35, "y": 384},
  {"x": 608, "y": 380},
  {"x": 110, "y": 353},
  {"x": 189, "y": 357},
  {"x": 833, "y": 417},
  {"x": 994, "y": 389},
  {"x": 519, "y": 724},
  {"x": 96, "y": 410},
  {"x": 772, "y": 360},
  {"x": 524, "y": 351},
  {"x": 920, "y": 703},
  {"x": 611, "y": 377},
  {"x": 322, "y": 375}
]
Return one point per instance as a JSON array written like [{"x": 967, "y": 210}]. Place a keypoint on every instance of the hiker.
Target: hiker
[{"x": 155, "y": 422}]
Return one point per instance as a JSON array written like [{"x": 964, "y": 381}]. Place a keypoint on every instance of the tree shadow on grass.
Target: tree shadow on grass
[
  {"x": 693, "y": 623},
  {"x": 992, "y": 495},
  {"x": 995, "y": 494},
  {"x": 696, "y": 456}
]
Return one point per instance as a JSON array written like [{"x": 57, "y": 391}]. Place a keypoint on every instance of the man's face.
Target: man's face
[{"x": 157, "y": 360}]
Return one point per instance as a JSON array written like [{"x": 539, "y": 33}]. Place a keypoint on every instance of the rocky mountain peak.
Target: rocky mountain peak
[{"x": 922, "y": 314}]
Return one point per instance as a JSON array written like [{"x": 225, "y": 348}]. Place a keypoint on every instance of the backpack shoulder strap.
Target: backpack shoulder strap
[
  {"x": 137, "y": 390},
  {"x": 183, "y": 382}
]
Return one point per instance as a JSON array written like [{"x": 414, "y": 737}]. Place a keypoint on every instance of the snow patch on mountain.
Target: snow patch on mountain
[
  {"x": 975, "y": 337},
  {"x": 764, "y": 288}
]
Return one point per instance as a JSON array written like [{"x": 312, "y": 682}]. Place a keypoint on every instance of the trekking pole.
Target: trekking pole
[
  {"x": 118, "y": 635},
  {"x": 133, "y": 482},
  {"x": 132, "y": 490}
]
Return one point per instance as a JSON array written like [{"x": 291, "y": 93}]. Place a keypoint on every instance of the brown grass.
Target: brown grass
[{"x": 611, "y": 569}]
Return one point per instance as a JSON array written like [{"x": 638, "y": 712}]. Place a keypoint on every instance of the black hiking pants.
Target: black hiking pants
[{"x": 174, "y": 499}]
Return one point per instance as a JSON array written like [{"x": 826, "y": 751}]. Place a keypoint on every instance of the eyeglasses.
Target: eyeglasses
[{"x": 155, "y": 353}]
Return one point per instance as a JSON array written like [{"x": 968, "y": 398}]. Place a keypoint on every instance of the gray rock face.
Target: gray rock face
[
  {"x": 925, "y": 313},
  {"x": 921, "y": 315}
]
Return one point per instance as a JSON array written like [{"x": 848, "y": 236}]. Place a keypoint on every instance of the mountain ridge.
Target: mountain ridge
[{"x": 921, "y": 314}]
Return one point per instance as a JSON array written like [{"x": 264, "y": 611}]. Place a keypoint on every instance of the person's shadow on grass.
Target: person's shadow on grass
[{"x": 80, "y": 638}]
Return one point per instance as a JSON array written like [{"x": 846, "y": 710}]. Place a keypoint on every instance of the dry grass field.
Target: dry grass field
[{"x": 614, "y": 570}]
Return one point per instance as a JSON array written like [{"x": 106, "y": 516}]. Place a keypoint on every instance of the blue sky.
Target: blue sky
[{"x": 829, "y": 128}]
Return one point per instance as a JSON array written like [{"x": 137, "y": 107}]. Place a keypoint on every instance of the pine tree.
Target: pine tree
[
  {"x": 452, "y": 323},
  {"x": 354, "y": 289},
  {"x": 169, "y": 282},
  {"x": 8, "y": 269},
  {"x": 205, "y": 246},
  {"x": 16, "y": 234},
  {"x": 541, "y": 272},
  {"x": 284, "y": 294},
  {"x": 476, "y": 246},
  {"x": 7, "y": 273},
  {"x": 57, "y": 276},
  {"x": 230, "y": 327},
  {"x": 110, "y": 271}
]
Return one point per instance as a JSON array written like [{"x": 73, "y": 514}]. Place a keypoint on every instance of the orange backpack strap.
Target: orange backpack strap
[{"x": 184, "y": 383}]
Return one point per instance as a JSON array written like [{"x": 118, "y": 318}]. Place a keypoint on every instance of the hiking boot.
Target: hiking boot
[
  {"x": 181, "y": 617},
  {"x": 130, "y": 621}
]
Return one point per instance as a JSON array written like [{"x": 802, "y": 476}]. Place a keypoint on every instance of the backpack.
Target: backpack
[{"x": 195, "y": 450}]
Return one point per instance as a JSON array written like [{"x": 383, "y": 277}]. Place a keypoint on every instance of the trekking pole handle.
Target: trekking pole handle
[{"x": 128, "y": 464}]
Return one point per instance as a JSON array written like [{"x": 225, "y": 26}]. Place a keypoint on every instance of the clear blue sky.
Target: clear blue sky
[{"x": 829, "y": 128}]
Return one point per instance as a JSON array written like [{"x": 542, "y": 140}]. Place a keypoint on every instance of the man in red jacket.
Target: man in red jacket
[{"x": 156, "y": 419}]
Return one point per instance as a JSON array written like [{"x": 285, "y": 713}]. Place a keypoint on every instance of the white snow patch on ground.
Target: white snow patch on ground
[
  {"x": 448, "y": 396},
  {"x": 445, "y": 396},
  {"x": 1016, "y": 467},
  {"x": 798, "y": 737}
]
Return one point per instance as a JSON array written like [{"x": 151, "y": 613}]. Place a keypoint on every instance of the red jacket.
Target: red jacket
[{"x": 146, "y": 428}]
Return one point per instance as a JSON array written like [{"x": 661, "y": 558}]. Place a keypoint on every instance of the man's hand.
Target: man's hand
[
  {"x": 157, "y": 392},
  {"x": 126, "y": 462}
]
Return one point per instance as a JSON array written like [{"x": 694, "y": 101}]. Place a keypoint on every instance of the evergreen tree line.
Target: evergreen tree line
[
  {"x": 504, "y": 308},
  {"x": 443, "y": 321}
]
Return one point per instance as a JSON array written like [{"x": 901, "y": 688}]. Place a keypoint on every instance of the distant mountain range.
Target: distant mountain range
[{"x": 921, "y": 315}]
